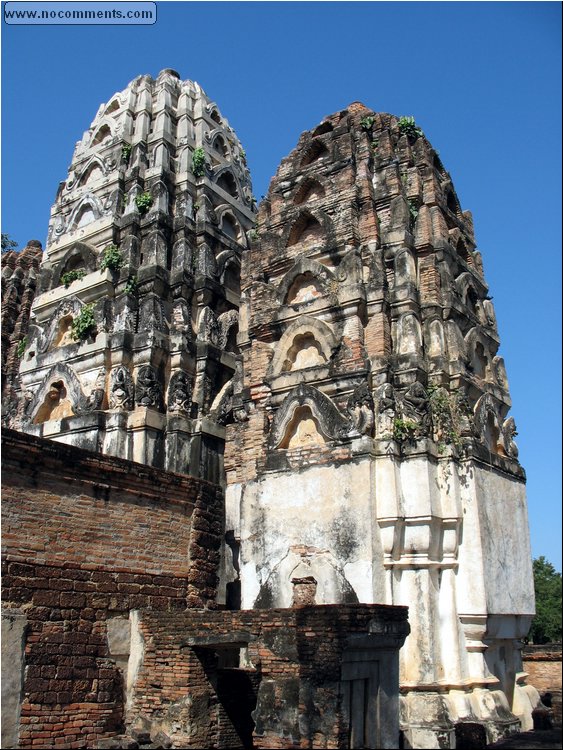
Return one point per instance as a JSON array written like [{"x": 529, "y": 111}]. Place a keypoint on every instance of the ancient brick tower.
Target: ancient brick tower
[
  {"x": 371, "y": 457},
  {"x": 20, "y": 271},
  {"x": 134, "y": 336}
]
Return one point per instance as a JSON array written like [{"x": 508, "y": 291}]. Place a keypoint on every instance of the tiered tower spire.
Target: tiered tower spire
[
  {"x": 134, "y": 336},
  {"x": 373, "y": 450}
]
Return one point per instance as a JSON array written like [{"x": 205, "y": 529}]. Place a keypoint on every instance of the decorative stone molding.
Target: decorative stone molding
[{"x": 333, "y": 425}]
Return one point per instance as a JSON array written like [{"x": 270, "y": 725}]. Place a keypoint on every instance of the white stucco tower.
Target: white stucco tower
[{"x": 133, "y": 341}]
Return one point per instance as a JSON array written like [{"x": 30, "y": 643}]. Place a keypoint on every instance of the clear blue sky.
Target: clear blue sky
[{"x": 483, "y": 80}]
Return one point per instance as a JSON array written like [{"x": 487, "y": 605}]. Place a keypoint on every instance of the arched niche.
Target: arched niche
[
  {"x": 102, "y": 134},
  {"x": 308, "y": 190},
  {"x": 80, "y": 257},
  {"x": 63, "y": 335},
  {"x": 305, "y": 288},
  {"x": 89, "y": 209},
  {"x": 220, "y": 145},
  {"x": 304, "y": 273},
  {"x": 85, "y": 216},
  {"x": 57, "y": 325},
  {"x": 307, "y": 230},
  {"x": 227, "y": 182},
  {"x": 463, "y": 252},
  {"x": 55, "y": 405},
  {"x": 321, "y": 411},
  {"x": 215, "y": 116},
  {"x": 408, "y": 335},
  {"x": 488, "y": 424},
  {"x": 469, "y": 295},
  {"x": 305, "y": 351},
  {"x": 94, "y": 172},
  {"x": 316, "y": 150},
  {"x": 303, "y": 430},
  {"x": 480, "y": 354},
  {"x": 324, "y": 127},
  {"x": 59, "y": 396},
  {"x": 306, "y": 330},
  {"x": 230, "y": 227},
  {"x": 112, "y": 107},
  {"x": 318, "y": 567}
]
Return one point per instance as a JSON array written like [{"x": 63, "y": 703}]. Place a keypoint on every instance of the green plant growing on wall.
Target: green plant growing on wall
[
  {"x": 374, "y": 144},
  {"x": 84, "y": 324},
  {"x": 366, "y": 123},
  {"x": 126, "y": 152},
  {"x": 111, "y": 259},
  {"x": 143, "y": 201},
  {"x": 404, "y": 430},
  {"x": 408, "y": 127},
  {"x": 131, "y": 286},
  {"x": 198, "y": 162},
  {"x": 253, "y": 235},
  {"x": 21, "y": 347},
  {"x": 69, "y": 276},
  {"x": 446, "y": 410}
]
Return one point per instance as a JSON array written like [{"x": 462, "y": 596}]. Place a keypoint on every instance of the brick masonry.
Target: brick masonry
[
  {"x": 291, "y": 678},
  {"x": 544, "y": 667},
  {"x": 87, "y": 537}
]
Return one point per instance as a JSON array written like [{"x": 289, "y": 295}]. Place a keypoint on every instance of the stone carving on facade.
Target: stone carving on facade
[
  {"x": 55, "y": 405},
  {"x": 332, "y": 423},
  {"x": 208, "y": 328},
  {"x": 499, "y": 370},
  {"x": 487, "y": 428},
  {"x": 95, "y": 399},
  {"x": 386, "y": 410},
  {"x": 151, "y": 315},
  {"x": 206, "y": 263},
  {"x": 225, "y": 323},
  {"x": 148, "y": 391},
  {"x": 59, "y": 395},
  {"x": 126, "y": 320},
  {"x": 179, "y": 393},
  {"x": 222, "y": 408},
  {"x": 509, "y": 431},
  {"x": 360, "y": 408},
  {"x": 57, "y": 330},
  {"x": 180, "y": 320},
  {"x": 415, "y": 407},
  {"x": 122, "y": 389}
]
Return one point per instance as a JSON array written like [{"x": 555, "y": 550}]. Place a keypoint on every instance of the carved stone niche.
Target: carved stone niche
[
  {"x": 304, "y": 352},
  {"x": 307, "y": 417},
  {"x": 148, "y": 391},
  {"x": 122, "y": 389},
  {"x": 302, "y": 430},
  {"x": 60, "y": 396},
  {"x": 179, "y": 393},
  {"x": 55, "y": 405}
]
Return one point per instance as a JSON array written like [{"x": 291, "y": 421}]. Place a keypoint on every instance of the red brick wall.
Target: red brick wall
[
  {"x": 543, "y": 664},
  {"x": 87, "y": 537},
  {"x": 296, "y": 655}
]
